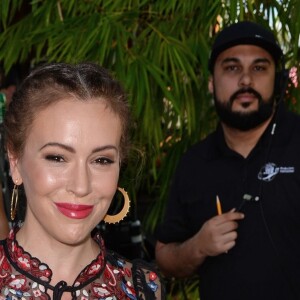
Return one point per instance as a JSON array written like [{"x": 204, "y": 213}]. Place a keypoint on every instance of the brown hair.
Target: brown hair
[{"x": 53, "y": 82}]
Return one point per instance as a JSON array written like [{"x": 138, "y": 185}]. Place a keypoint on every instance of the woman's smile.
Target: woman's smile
[{"x": 75, "y": 211}]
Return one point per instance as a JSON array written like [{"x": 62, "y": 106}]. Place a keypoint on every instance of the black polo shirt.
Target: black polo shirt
[{"x": 265, "y": 263}]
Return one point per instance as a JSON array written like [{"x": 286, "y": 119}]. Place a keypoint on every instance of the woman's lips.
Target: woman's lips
[{"x": 74, "y": 211}]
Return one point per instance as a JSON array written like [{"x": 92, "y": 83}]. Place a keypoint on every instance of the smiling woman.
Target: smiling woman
[{"x": 67, "y": 134}]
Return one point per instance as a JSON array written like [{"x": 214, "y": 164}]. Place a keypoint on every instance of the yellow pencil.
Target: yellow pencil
[{"x": 219, "y": 208}]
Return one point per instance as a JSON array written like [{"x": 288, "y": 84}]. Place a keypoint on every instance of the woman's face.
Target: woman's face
[{"x": 69, "y": 168}]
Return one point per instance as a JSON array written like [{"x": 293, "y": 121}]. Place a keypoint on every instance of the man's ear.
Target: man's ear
[
  {"x": 211, "y": 84},
  {"x": 14, "y": 168}
]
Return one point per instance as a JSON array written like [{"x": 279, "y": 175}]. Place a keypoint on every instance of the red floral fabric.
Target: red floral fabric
[{"x": 108, "y": 277}]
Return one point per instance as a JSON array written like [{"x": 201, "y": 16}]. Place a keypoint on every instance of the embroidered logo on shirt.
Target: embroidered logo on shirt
[{"x": 270, "y": 170}]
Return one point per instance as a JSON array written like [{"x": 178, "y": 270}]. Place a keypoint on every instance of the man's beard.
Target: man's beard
[{"x": 244, "y": 121}]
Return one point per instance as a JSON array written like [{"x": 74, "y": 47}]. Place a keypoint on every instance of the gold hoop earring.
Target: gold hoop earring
[
  {"x": 111, "y": 219},
  {"x": 14, "y": 202}
]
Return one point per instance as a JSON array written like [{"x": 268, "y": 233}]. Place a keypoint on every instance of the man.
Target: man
[{"x": 251, "y": 163}]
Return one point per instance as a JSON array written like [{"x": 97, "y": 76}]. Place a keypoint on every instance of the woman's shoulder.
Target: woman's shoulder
[
  {"x": 144, "y": 276},
  {"x": 147, "y": 278}
]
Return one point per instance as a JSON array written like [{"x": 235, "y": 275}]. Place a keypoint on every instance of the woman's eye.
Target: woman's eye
[
  {"x": 104, "y": 161},
  {"x": 55, "y": 158}
]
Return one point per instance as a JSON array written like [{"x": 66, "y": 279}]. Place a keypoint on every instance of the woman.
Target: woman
[{"x": 66, "y": 137}]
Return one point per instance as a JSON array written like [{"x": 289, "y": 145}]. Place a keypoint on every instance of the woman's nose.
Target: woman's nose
[{"x": 79, "y": 182}]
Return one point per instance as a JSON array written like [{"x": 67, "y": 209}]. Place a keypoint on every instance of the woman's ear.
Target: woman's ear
[
  {"x": 211, "y": 84},
  {"x": 14, "y": 168}
]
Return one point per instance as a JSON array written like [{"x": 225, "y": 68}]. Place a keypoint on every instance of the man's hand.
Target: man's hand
[{"x": 218, "y": 234}]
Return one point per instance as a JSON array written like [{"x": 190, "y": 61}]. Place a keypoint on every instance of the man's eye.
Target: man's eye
[
  {"x": 259, "y": 68},
  {"x": 231, "y": 68},
  {"x": 55, "y": 158},
  {"x": 104, "y": 161}
]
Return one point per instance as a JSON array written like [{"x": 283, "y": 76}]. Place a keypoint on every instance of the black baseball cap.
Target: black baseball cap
[{"x": 244, "y": 33}]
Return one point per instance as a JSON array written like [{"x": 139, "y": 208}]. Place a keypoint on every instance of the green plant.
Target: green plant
[{"x": 159, "y": 50}]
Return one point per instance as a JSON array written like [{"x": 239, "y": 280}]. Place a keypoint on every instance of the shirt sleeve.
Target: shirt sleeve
[{"x": 174, "y": 227}]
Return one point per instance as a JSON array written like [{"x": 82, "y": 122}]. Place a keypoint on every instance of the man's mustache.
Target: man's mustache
[{"x": 248, "y": 90}]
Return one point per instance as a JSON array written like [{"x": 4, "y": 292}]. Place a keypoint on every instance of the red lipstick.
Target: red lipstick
[{"x": 74, "y": 211}]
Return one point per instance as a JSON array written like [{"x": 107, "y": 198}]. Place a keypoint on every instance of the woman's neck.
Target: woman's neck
[{"x": 65, "y": 261}]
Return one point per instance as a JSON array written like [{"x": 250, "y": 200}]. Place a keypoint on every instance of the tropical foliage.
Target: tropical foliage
[{"x": 159, "y": 50}]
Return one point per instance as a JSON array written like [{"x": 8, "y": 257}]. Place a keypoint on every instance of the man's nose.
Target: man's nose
[{"x": 246, "y": 79}]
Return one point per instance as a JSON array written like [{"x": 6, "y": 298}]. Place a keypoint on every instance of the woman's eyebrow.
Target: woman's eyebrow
[
  {"x": 106, "y": 147},
  {"x": 60, "y": 145},
  {"x": 72, "y": 150}
]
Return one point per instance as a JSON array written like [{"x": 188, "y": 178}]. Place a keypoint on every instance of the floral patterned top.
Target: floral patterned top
[{"x": 108, "y": 277}]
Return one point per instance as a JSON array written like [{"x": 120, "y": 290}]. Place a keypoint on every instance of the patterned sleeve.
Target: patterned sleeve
[{"x": 147, "y": 281}]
